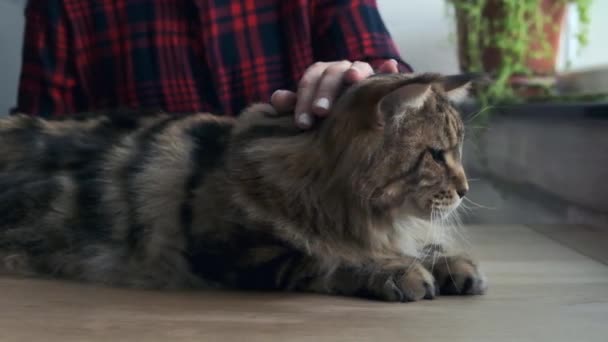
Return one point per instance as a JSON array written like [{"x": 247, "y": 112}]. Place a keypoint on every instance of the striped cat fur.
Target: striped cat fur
[{"x": 195, "y": 200}]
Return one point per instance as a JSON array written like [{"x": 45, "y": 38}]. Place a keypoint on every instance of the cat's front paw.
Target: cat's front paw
[
  {"x": 459, "y": 275},
  {"x": 407, "y": 284}
]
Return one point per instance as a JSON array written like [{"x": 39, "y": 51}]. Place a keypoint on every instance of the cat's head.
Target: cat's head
[{"x": 397, "y": 140}]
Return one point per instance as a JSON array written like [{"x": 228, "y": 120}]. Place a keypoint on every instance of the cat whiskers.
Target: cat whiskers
[
  {"x": 464, "y": 208},
  {"x": 435, "y": 219},
  {"x": 447, "y": 266},
  {"x": 454, "y": 223},
  {"x": 438, "y": 227},
  {"x": 421, "y": 257},
  {"x": 479, "y": 113},
  {"x": 470, "y": 201}
]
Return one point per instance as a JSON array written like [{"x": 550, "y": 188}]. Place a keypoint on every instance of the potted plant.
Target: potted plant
[{"x": 515, "y": 41}]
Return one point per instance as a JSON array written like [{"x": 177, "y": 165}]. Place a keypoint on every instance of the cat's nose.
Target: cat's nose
[{"x": 462, "y": 191}]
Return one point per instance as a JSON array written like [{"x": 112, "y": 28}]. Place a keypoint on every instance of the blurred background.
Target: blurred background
[{"x": 532, "y": 161}]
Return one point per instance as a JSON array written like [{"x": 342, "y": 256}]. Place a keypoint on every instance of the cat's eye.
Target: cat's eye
[{"x": 438, "y": 155}]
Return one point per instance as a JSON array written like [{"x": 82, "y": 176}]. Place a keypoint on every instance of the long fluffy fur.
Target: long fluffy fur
[{"x": 174, "y": 201}]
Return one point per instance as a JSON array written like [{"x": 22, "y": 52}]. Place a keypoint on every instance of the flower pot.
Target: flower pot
[{"x": 491, "y": 56}]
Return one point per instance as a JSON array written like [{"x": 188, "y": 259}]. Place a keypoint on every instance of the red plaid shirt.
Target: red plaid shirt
[{"x": 186, "y": 55}]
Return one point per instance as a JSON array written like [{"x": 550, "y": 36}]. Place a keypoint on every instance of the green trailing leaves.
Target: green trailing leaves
[{"x": 519, "y": 25}]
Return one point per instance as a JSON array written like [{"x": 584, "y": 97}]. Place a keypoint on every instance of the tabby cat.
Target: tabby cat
[{"x": 182, "y": 201}]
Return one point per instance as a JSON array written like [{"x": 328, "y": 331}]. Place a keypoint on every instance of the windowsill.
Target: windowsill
[{"x": 559, "y": 150}]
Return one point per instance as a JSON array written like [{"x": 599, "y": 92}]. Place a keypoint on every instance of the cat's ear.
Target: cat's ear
[
  {"x": 383, "y": 100},
  {"x": 457, "y": 87},
  {"x": 410, "y": 96}
]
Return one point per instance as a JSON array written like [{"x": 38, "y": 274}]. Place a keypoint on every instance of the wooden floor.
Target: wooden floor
[{"x": 547, "y": 283}]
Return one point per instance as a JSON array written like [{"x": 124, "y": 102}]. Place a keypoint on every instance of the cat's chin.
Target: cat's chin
[
  {"x": 442, "y": 212},
  {"x": 432, "y": 213}
]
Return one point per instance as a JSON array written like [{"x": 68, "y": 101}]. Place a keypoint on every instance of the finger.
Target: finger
[
  {"x": 283, "y": 100},
  {"x": 306, "y": 91},
  {"x": 389, "y": 67},
  {"x": 330, "y": 84},
  {"x": 358, "y": 72}
]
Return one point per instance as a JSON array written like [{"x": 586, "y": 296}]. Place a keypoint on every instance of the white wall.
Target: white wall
[{"x": 423, "y": 30}]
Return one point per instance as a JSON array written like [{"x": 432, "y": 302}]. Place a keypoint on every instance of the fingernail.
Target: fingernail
[
  {"x": 305, "y": 120},
  {"x": 278, "y": 93},
  {"x": 322, "y": 103}
]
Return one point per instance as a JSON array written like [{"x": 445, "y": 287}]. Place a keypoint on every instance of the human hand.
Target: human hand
[{"x": 320, "y": 86}]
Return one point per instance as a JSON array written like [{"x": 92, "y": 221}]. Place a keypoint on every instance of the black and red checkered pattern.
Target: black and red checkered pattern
[{"x": 186, "y": 55}]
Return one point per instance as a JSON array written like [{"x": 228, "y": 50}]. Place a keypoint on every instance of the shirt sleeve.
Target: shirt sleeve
[
  {"x": 353, "y": 30},
  {"x": 47, "y": 84}
]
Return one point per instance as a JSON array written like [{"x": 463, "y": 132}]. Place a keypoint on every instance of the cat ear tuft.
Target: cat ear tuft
[
  {"x": 412, "y": 96},
  {"x": 389, "y": 99},
  {"x": 457, "y": 87}
]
